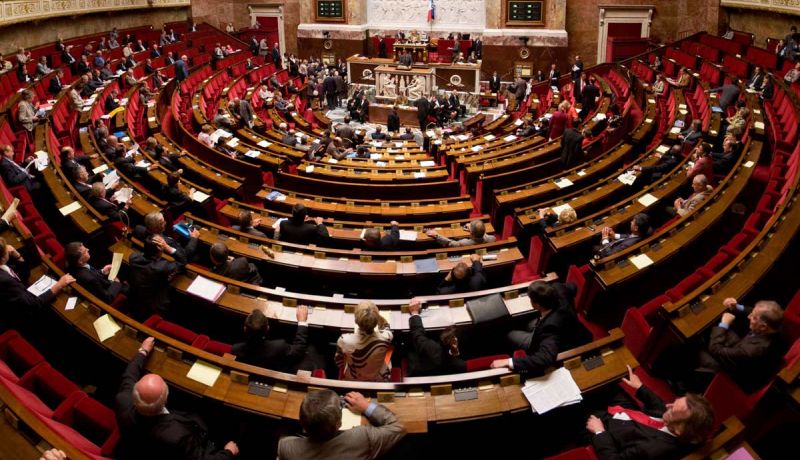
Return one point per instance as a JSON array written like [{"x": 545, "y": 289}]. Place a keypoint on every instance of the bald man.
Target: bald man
[{"x": 149, "y": 430}]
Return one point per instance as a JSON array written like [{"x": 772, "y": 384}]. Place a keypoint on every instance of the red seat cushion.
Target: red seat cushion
[
  {"x": 18, "y": 354},
  {"x": 49, "y": 385},
  {"x": 482, "y": 363}
]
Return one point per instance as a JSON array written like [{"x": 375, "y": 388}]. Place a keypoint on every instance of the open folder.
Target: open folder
[{"x": 206, "y": 289}]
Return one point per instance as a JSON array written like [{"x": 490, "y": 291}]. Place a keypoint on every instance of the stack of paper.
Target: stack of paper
[
  {"x": 555, "y": 389},
  {"x": 408, "y": 235},
  {"x": 627, "y": 178},
  {"x": 252, "y": 154},
  {"x": 427, "y": 163},
  {"x": 263, "y": 144},
  {"x": 349, "y": 419},
  {"x": 662, "y": 149},
  {"x": 559, "y": 209},
  {"x": 509, "y": 138},
  {"x": 41, "y": 285},
  {"x": 563, "y": 182},
  {"x": 123, "y": 195},
  {"x": 206, "y": 289},
  {"x": 276, "y": 196},
  {"x": 199, "y": 196}
]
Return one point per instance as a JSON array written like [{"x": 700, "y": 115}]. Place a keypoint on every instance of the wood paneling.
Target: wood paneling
[{"x": 308, "y": 47}]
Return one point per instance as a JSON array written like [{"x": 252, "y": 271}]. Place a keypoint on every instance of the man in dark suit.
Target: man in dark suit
[
  {"x": 155, "y": 225},
  {"x": 554, "y": 75},
  {"x": 693, "y": 133},
  {"x": 381, "y": 47},
  {"x": 103, "y": 205},
  {"x": 614, "y": 242},
  {"x": 301, "y": 229},
  {"x": 554, "y": 330},
  {"x": 577, "y": 71},
  {"x": 729, "y": 96},
  {"x": 181, "y": 69},
  {"x": 589, "y": 96},
  {"x": 148, "y": 429},
  {"x": 14, "y": 174},
  {"x": 393, "y": 121},
  {"x": 494, "y": 83},
  {"x": 429, "y": 357},
  {"x": 752, "y": 359},
  {"x": 236, "y": 268},
  {"x": 666, "y": 162},
  {"x": 17, "y": 301},
  {"x": 94, "y": 280},
  {"x": 463, "y": 278},
  {"x": 111, "y": 104},
  {"x": 423, "y": 106},
  {"x": 259, "y": 349},
  {"x": 148, "y": 278},
  {"x": 658, "y": 432},
  {"x": 345, "y": 131},
  {"x": 329, "y": 86},
  {"x": 374, "y": 241},
  {"x": 477, "y": 47},
  {"x": 56, "y": 85},
  {"x": 572, "y": 147},
  {"x": 276, "y": 56}
]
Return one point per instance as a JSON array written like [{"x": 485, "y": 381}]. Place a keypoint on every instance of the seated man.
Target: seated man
[
  {"x": 155, "y": 225},
  {"x": 236, "y": 268},
  {"x": 14, "y": 174},
  {"x": 614, "y": 242},
  {"x": 378, "y": 135},
  {"x": 247, "y": 224},
  {"x": 149, "y": 276},
  {"x": 660, "y": 431},
  {"x": 301, "y": 229},
  {"x": 146, "y": 425},
  {"x": 666, "y": 162},
  {"x": 477, "y": 232},
  {"x": 103, "y": 205},
  {"x": 374, "y": 241},
  {"x": 693, "y": 133},
  {"x": 463, "y": 278},
  {"x": 94, "y": 280},
  {"x": 429, "y": 357},
  {"x": 701, "y": 192},
  {"x": 723, "y": 162},
  {"x": 752, "y": 359},
  {"x": 321, "y": 417},
  {"x": 554, "y": 330},
  {"x": 261, "y": 349}
]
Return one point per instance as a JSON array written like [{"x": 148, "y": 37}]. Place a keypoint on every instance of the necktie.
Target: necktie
[{"x": 636, "y": 416}]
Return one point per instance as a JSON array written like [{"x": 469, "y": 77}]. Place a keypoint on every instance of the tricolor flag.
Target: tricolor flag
[{"x": 431, "y": 11}]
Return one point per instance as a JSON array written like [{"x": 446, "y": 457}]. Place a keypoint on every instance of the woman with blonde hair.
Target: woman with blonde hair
[{"x": 362, "y": 355}]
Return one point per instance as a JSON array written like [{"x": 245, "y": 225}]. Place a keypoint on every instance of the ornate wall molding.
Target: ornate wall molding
[
  {"x": 777, "y": 6},
  {"x": 15, "y": 11},
  {"x": 453, "y": 15}
]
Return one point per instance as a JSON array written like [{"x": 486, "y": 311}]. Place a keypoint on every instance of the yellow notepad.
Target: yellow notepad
[
  {"x": 204, "y": 373},
  {"x": 106, "y": 327},
  {"x": 70, "y": 208}
]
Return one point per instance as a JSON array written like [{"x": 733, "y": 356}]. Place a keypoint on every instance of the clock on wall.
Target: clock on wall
[
  {"x": 524, "y": 53},
  {"x": 327, "y": 44}
]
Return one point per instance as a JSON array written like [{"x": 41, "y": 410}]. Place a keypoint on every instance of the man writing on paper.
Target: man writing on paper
[
  {"x": 13, "y": 290},
  {"x": 321, "y": 418},
  {"x": 149, "y": 430},
  {"x": 94, "y": 280},
  {"x": 477, "y": 235},
  {"x": 659, "y": 431},
  {"x": 554, "y": 330}
]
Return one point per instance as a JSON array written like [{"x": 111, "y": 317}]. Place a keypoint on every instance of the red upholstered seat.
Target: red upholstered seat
[
  {"x": 92, "y": 420},
  {"x": 218, "y": 348},
  {"x": 728, "y": 399},
  {"x": 482, "y": 363},
  {"x": 18, "y": 355},
  {"x": 49, "y": 385},
  {"x": 638, "y": 340},
  {"x": 686, "y": 286}
]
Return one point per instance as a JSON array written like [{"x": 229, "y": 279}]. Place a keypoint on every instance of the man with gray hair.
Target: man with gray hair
[
  {"x": 154, "y": 227},
  {"x": 321, "y": 419},
  {"x": 373, "y": 240},
  {"x": 477, "y": 235},
  {"x": 149, "y": 429},
  {"x": 700, "y": 192}
]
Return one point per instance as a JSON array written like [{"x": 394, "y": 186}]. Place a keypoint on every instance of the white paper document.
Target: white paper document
[
  {"x": 106, "y": 327},
  {"x": 41, "y": 285},
  {"x": 206, "y": 289},
  {"x": 626, "y": 178},
  {"x": 116, "y": 263},
  {"x": 349, "y": 419},
  {"x": 408, "y": 235},
  {"x": 204, "y": 373},
  {"x": 647, "y": 199},
  {"x": 123, "y": 195},
  {"x": 560, "y": 208},
  {"x": 563, "y": 182},
  {"x": 263, "y": 144},
  {"x": 509, "y": 138},
  {"x": 12, "y": 209},
  {"x": 427, "y": 163},
  {"x": 555, "y": 389},
  {"x": 70, "y": 208},
  {"x": 641, "y": 261},
  {"x": 662, "y": 149},
  {"x": 199, "y": 196},
  {"x": 71, "y": 302}
]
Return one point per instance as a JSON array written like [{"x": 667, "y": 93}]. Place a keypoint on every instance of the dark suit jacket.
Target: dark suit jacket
[
  {"x": 11, "y": 174},
  {"x": 751, "y": 361},
  {"x": 393, "y": 122},
  {"x": 97, "y": 283},
  {"x": 423, "y": 106},
  {"x": 167, "y": 436},
  {"x": 55, "y": 86},
  {"x": 149, "y": 285},
  {"x": 616, "y": 246},
  {"x": 472, "y": 282},
  {"x": 571, "y": 147},
  {"x": 239, "y": 269},
  {"x": 428, "y": 356},
  {"x": 306, "y": 233},
  {"x": 494, "y": 84},
  {"x": 274, "y": 354},
  {"x": 18, "y": 303},
  {"x": 110, "y": 103},
  {"x": 389, "y": 239},
  {"x": 106, "y": 208},
  {"x": 629, "y": 440},
  {"x": 182, "y": 255},
  {"x": 181, "y": 70},
  {"x": 589, "y": 96},
  {"x": 560, "y": 330}
]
